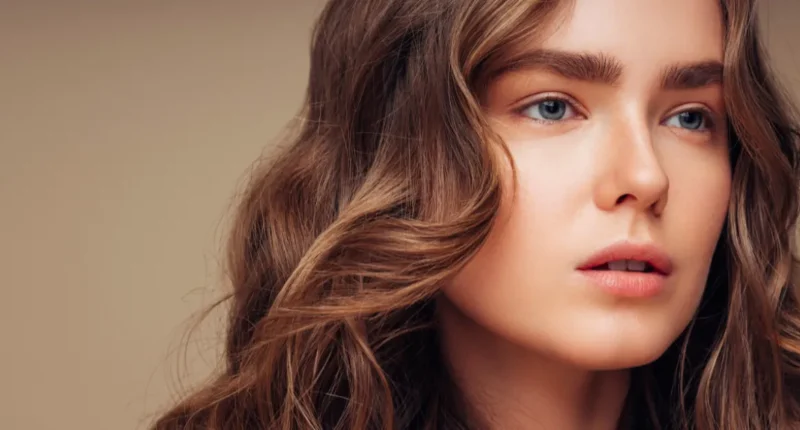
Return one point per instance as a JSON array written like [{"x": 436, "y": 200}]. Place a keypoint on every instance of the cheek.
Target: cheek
[
  {"x": 532, "y": 228},
  {"x": 700, "y": 191},
  {"x": 698, "y": 203},
  {"x": 515, "y": 286}
]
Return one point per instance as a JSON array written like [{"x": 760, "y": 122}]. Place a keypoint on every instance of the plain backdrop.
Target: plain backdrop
[{"x": 125, "y": 129}]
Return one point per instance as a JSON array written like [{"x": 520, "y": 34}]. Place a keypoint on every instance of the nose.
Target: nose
[{"x": 630, "y": 173}]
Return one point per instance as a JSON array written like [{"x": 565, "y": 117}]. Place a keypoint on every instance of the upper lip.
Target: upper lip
[{"x": 646, "y": 252}]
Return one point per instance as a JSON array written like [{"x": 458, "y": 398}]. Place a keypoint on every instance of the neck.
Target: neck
[{"x": 507, "y": 386}]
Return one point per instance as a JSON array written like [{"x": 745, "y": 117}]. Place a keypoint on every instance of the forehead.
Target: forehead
[{"x": 642, "y": 34}]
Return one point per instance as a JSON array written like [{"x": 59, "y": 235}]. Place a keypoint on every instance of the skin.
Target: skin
[{"x": 532, "y": 343}]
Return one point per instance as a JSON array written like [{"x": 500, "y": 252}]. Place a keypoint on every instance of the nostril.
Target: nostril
[{"x": 624, "y": 197}]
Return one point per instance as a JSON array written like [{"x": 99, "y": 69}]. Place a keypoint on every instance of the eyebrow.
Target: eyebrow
[
  {"x": 605, "y": 69},
  {"x": 571, "y": 65},
  {"x": 689, "y": 76}
]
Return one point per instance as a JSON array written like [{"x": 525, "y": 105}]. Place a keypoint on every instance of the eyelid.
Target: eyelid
[{"x": 541, "y": 97}]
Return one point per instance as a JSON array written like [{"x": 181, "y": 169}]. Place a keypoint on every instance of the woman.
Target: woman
[{"x": 520, "y": 214}]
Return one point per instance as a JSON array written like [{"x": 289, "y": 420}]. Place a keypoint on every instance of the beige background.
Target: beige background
[{"x": 125, "y": 128}]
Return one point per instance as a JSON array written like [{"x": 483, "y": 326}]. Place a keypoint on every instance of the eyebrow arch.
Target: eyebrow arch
[
  {"x": 590, "y": 67},
  {"x": 690, "y": 76}
]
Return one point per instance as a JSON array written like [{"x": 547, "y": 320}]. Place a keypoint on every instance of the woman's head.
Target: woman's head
[
  {"x": 619, "y": 139},
  {"x": 461, "y": 163}
]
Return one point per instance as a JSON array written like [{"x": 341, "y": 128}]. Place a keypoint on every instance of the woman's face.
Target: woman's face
[{"x": 616, "y": 123}]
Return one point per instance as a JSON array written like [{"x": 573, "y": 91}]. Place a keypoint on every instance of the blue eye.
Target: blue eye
[
  {"x": 693, "y": 120},
  {"x": 549, "y": 110}
]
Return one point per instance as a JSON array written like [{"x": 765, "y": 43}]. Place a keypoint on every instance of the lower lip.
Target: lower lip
[{"x": 627, "y": 284}]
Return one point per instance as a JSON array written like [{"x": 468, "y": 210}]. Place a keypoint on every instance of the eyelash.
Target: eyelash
[{"x": 709, "y": 122}]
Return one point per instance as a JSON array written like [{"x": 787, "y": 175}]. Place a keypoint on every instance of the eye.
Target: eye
[
  {"x": 549, "y": 110},
  {"x": 692, "y": 120}
]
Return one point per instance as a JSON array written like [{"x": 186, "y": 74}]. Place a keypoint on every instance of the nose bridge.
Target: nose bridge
[{"x": 634, "y": 174}]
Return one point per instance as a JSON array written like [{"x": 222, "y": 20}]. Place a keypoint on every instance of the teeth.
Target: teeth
[
  {"x": 627, "y": 266},
  {"x": 636, "y": 266},
  {"x": 620, "y": 266}
]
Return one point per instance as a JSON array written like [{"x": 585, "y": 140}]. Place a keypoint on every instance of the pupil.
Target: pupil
[
  {"x": 691, "y": 120},
  {"x": 552, "y": 109}
]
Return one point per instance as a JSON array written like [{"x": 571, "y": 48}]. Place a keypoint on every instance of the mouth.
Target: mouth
[
  {"x": 629, "y": 257},
  {"x": 628, "y": 270}
]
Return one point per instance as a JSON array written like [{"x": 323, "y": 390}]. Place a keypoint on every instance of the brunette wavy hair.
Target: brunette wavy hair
[{"x": 391, "y": 184}]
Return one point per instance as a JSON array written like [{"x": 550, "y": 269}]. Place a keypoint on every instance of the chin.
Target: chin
[
  {"x": 615, "y": 360},
  {"x": 582, "y": 337},
  {"x": 613, "y": 351}
]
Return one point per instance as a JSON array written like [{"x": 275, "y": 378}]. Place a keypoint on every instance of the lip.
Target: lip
[
  {"x": 646, "y": 252},
  {"x": 624, "y": 283}
]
